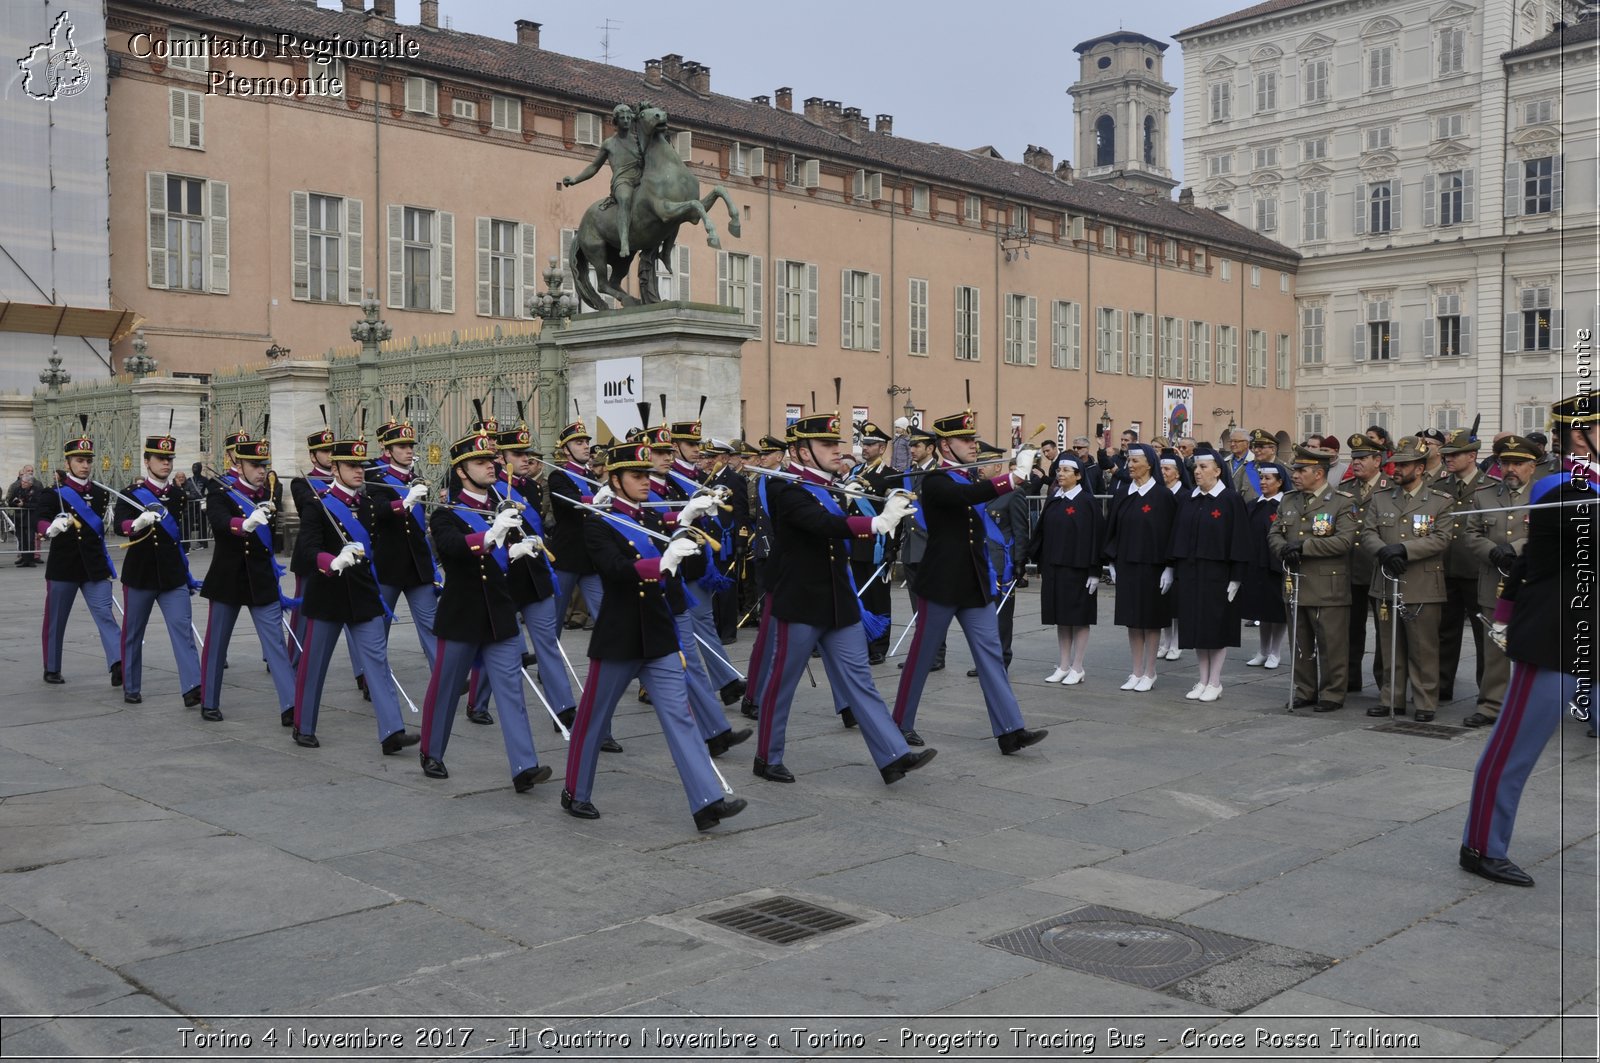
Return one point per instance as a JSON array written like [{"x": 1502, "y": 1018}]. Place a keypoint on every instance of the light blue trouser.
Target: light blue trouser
[
  {"x": 844, "y": 656},
  {"x": 423, "y": 601},
  {"x": 268, "y": 620},
  {"x": 370, "y": 644},
  {"x": 983, "y": 639},
  {"x": 179, "y": 617},
  {"x": 501, "y": 664},
  {"x": 703, "y": 701},
  {"x": 718, "y": 670},
  {"x": 601, "y": 691},
  {"x": 58, "y": 598},
  {"x": 1536, "y": 700},
  {"x": 761, "y": 655},
  {"x": 297, "y": 624},
  {"x": 569, "y": 583},
  {"x": 544, "y": 632}
]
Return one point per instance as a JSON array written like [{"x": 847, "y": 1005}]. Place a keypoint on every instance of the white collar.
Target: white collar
[
  {"x": 159, "y": 485},
  {"x": 1141, "y": 491},
  {"x": 1071, "y": 492},
  {"x": 481, "y": 499},
  {"x": 1216, "y": 489},
  {"x": 74, "y": 479},
  {"x": 1274, "y": 498}
]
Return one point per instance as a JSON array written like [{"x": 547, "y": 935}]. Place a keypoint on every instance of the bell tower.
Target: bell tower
[{"x": 1121, "y": 106}]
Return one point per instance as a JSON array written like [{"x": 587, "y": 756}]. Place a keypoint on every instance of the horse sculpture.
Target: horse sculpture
[{"x": 668, "y": 195}]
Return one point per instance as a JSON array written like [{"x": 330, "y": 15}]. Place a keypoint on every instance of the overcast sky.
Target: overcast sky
[{"x": 962, "y": 74}]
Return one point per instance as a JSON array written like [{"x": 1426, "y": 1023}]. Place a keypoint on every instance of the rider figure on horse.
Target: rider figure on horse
[{"x": 626, "y": 155}]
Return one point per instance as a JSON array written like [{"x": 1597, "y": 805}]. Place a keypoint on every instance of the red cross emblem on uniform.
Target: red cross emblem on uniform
[
  {"x": 1071, "y": 510},
  {"x": 1216, "y": 513},
  {"x": 1272, "y": 518},
  {"x": 1145, "y": 508}
]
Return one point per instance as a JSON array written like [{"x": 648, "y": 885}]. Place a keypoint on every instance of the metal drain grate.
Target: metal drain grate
[
  {"x": 1127, "y": 946},
  {"x": 1421, "y": 730},
  {"x": 780, "y": 920}
]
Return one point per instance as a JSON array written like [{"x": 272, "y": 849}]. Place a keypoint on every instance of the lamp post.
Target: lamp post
[
  {"x": 554, "y": 307},
  {"x": 139, "y": 364},
  {"x": 370, "y": 331},
  {"x": 909, "y": 407},
  {"x": 275, "y": 353},
  {"x": 1104, "y": 422},
  {"x": 52, "y": 377}
]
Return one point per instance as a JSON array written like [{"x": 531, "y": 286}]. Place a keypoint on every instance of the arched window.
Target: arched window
[
  {"x": 1105, "y": 141},
  {"x": 1149, "y": 140}
]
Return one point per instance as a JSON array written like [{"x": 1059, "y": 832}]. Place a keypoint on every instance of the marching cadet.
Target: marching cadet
[
  {"x": 156, "y": 570},
  {"x": 914, "y": 532},
  {"x": 71, "y": 516},
  {"x": 1406, "y": 531},
  {"x": 1496, "y": 539},
  {"x": 479, "y": 538},
  {"x": 401, "y": 553},
  {"x": 735, "y": 524},
  {"x": 634, "y": 635},
  {"x": 955, "y": 582},
  {"x": 568, "y": 484},
  {"x": 1461, "y": 568},
  {"x": 871, "y": 559},
  {"x": 1005, "y": 524},
  {"x": 815, "y": 603},
  {"x": 342, "y": 596},
  {"x": 764, "y": 561},
  {"x": 303, "y": 491},
  {"x": 1313, "y": 538},
  {"x": 1364, "y": 477},
  {"x": 244, "y": 575}
]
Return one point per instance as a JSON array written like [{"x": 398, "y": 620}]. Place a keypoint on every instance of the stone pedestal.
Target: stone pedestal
[
  {"x": 685, "y": 350},
  {"x": 294, "y": 391},
  {"x": 176, "y": 400},
  {"x": 16, "y": 436}
]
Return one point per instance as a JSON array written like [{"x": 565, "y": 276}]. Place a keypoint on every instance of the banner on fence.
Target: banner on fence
[{"x": 619, "y": 387}]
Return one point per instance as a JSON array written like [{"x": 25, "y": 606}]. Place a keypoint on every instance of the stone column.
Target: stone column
[
  {"x": 16, "y": 436},
  {"x": 176, "y": 400},
  {"x": 294, "y": 391}
]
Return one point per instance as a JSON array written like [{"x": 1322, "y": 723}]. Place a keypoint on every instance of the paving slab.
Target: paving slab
[
  {"x": 95, "y": 1032},
  {"x": 1134, "y": 893},
  {"x": 24, "y": 774},
  {"x": 1139, "y": 819},
  {"x": 58, "y": 825},
  {"x": 1019, "y": 851},
  {"x": 912, "y": 885},
  {"x": 1214, "y": 861},
  {"x": 42, "y": 975}
]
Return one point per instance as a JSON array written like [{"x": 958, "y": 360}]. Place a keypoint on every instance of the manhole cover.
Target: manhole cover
[
  {"x": 1126, "y": 946},
  {"x": 780, "y": 920},
  {"x": 1421, "y": 730}
]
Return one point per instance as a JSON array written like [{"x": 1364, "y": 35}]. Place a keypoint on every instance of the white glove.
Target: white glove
[
  {"x": 57, "y": 526},
  {"x": 676, "y": 551},
  {"x": 1166, "y": 581},
  {"x": 1497, "y": 632},
  {"x": 1092, "y": 585},
  {"x": 852, "y": 488},
  {"x": 1111, "y": 570},
  {"x": 347, "y": 557},
  {"x": 504, "y": 522},
  {"x": 701, "y": 505},
  {"x": 270, "y": 506},
  {"x": 417, "y": 493},
  {"x": 144, "y": 520},
  {"x": 602, "y": 497},
  {"x": 256, "y": 518},
  {"x": 1233, "y": 588},
  {"x": 895, "y": 510},
  {"x": 524, "y": 548},
  {"x": 1025, "y": 459}
]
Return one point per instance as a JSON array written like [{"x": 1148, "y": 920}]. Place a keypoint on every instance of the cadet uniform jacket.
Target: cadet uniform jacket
[
  {"x": 1551, "y": 587},
  {"x": 635, "y": 621},
  {"x": 154, "y": 561},
  {"x": 1324, "y": 526},
  {"x": 400, "y": 546},
  {"x": 955, "y": 565},
  {"x": 306, "y": 505},
  {"x": 476, "y": 604},
  {"x": 1424, "y": 525},
  {"x": 567, "y": 522},
  {"x": 813, "y": 580},
  {"x": 242, "y": 571},
  {"x": 77, "y": 555},
  {"x": 531, "y": 578},
  {"x": 347, "y": 597}
]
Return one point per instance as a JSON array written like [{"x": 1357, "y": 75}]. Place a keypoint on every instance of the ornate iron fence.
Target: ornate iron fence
[
  {"x": 112, "y": 414},
  {"x": 237, "y": 399}
]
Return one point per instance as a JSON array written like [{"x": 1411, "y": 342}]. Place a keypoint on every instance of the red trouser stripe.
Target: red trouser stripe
[
  {"x": 580, "y": 726},
  {"x": 769, "y": 699},
  {"x": 907, "y": 674},
  {"x": 429, "y": 698},
  {"x": 1501, "y": 741}
]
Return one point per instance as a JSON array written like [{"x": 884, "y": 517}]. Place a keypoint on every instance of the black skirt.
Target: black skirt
[
  {"x": 1140, "y": 603},
  {"x": 1206, "y": 619},
  {"x": 1261, "y": 597},
  {"x": 1063, "y": 599}
]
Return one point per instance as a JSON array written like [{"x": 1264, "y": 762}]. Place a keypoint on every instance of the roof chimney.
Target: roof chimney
[
  {"x": 1186, "y": 197},
  {"x": 813, "y": 106},
  {"x": 527, "y": 33},
  {"x": 697, "y": 76},
  {"x": 1064, "y": 170},
  {"x": 885, "y": 124},
  {"x": 430, "y": 14},
  {"x": 384, "y": 8},
  {"x": 1038, "y": 158},
  {"x": 851, "y": 122},
  {"x": 652, "y": 71},
  {"x": 785, "y": 98},
  {"x": 764, "y": 101},
  {"x": 354, "y": 5},
  {"x": 672, "y": 66}
]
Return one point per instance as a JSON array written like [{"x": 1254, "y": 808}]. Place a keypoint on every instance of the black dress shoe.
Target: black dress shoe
[
  {"x": 732, "y": 691},
  {"x": 1305, "y": 703},
  {"x": 479, "y": 716},
  {"x": 116, "y": 674},
  {"x": 366, "y": 691},
  {"x": 191, "y": 698},
  {"x": 566, "y": 716},
  {"x": 1478, "y": 719},
  {"x": 717, "y": 811},
  {"x": 847, "y": 717},
  {"x": 1327, "y": 706},
  {"x": 581, "y": 809},
  {"x": 309, "y": 741},
  {"x": 524, "y": 780},
  {"x": 286, "y": 717},
  {"x": 896, "y": 769},
  {"x": 1378, "y": 710},
  {"x": 1422, "y": 716},
  {"x": 529, "y": 660},
  {"x": 717, "y": 745},
  {"x": 433, "y": 767},
  {"x": 876, "y": 658},
  {"x": 938, "y": 666},
  {"x": 611, "y": 745},
  {"x": 1494, "y": 869},
  {"x": 772, "y": 772},
  {"x": 972, "y": 673},
  {"x": 750, "y": 709},
  {"x": 398, "y": 741},
  {"x": 644, "y": 696},
  {"x": 53, "y": 677},
  {"x": 211, "y": 715},
  {"x": 912, "y": 738},
  {"x": 132, "y": 699},
  {"x": 1019, "y": 739}
]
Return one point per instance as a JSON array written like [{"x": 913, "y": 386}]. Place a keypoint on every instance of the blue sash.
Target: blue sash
[
  {"x": 873, "y": 624},
  {"x": 148, "y": 499},
  {"x": 263, "y": 534},
  {"x": 356, "y": 532},
  {"x": 470, "y": 517},
  {"x": 916, "y": 504},
  {"x": 416, "y": 514},
  {"x": 635, "y": 534},
  {"x": 990, "y": 529},
  {"x": 1545, "y": 484},
  {"x": 714, "y": 581},
  {"x": 530, "y": 517},
  {"x": 91, "y": 520},
  {"x": 867, "y": 510}
]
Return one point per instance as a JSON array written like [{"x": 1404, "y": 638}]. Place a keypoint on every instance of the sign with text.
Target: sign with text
[
  {"x": 1177, "y": 410},
  {"x": 618, "y": 388}
]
